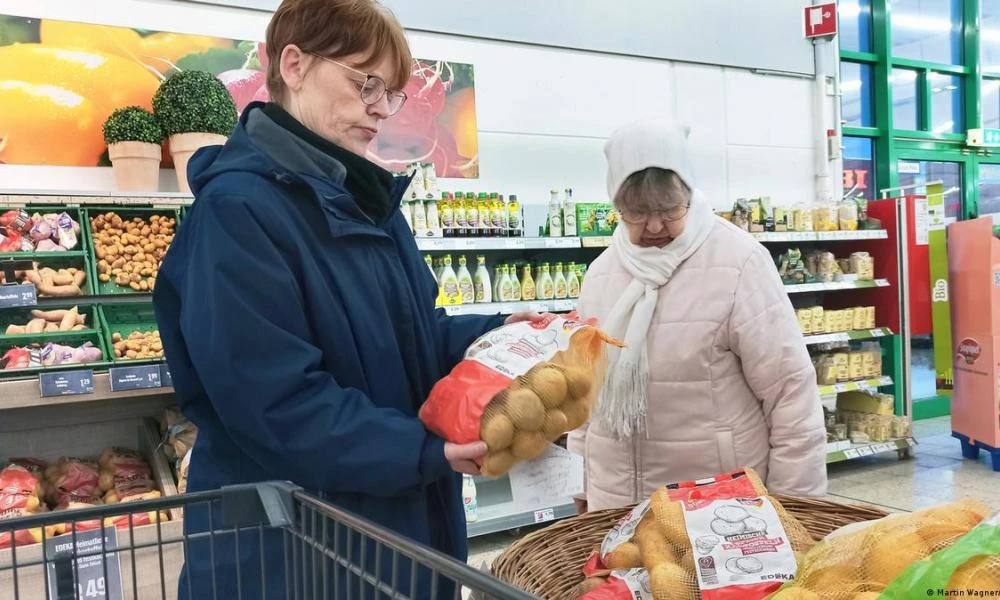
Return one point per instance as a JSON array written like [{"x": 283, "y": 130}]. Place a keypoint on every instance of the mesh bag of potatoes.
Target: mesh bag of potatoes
[
  {"x": 716, "y": 539},
  {"x": 519, "y": 388},
  {"x": 859, "y": 564}
]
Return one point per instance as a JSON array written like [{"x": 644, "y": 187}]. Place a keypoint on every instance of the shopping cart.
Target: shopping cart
[{"x": 108, "y": 553}]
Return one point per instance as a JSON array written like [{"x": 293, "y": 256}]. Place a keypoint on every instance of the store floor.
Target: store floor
[{"x": 937, "y": 473}]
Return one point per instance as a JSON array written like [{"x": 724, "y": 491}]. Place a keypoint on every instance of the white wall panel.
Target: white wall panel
[
  {"x": 531, "y": 89},
  {"x": 768, "y": 110},
  {"x": 784, "y": 174},
  {"x": 701, "y": 103}
]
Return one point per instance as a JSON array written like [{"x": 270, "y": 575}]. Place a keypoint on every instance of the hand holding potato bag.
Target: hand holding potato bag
[{"x": 519, "y": 388}]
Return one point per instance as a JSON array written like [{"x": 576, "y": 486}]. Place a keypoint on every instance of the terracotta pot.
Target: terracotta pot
[
  {"x": 183, "y": 145},
  {"x": 136, "y": 166}
]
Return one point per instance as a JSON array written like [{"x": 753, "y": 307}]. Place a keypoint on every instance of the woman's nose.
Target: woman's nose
[
  {"x": 654, "y": 225},
  {"x": 381, "y": 108}
]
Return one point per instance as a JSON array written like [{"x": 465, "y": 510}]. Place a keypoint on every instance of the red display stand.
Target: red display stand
[{"x": 974, "y": 271}]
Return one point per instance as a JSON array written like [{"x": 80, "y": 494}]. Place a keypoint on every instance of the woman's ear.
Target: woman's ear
[{"x": 294, "y": 63}]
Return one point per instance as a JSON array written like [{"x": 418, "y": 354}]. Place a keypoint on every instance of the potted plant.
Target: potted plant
[
  {"x": 134, "y": 139},
  {"x": 194, "y": 109}
]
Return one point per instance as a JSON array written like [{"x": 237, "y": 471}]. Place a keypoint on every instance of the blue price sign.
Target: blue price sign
[
  {"x": 67, "y": 383},
  {"x": 165, "y": 379},
  {"x": 16, "y": 296},
  {"x": 141, "y": 377}
]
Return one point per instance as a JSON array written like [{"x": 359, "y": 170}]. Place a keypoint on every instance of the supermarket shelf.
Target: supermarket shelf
[
  {"x": 859, "y": 450},
  {"x": 507, "y": 516},
  {"x": 821, "y": 236},
  {"x": 596, "y": 242},
  {"x": 509, "y": 308},
  {"x": 847, "y": 336},
  {"x": 515, "y": 243},
  {"x": 832, "y": 286},
  {"x": 24, "y": 393},
  {"x": 851, "y": 386},
  {"x": 15, "y": 197}
]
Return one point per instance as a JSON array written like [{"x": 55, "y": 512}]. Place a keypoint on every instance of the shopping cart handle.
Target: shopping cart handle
[{"x": 269, "y": 503}]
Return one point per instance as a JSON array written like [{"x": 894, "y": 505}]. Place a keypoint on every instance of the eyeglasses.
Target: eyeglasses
[
  {"x": 374, "y": 88},
  {"x": 640, "y": 218}
]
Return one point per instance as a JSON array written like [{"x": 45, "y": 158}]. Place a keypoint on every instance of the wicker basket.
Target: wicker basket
[{"x": 548, "y": 563}]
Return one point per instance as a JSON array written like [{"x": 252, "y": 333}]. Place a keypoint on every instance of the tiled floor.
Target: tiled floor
[{"x": 937, "y": 473}]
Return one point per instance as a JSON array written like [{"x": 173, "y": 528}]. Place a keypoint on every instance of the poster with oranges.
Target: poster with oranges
[{"x": 60, "y": 80}]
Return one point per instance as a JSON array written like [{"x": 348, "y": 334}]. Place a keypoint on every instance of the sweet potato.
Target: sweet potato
[{"x": 35, "y": 326}]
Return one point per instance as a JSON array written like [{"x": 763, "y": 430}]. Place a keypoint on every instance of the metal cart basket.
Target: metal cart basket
[{"x": 290, "y": 545}]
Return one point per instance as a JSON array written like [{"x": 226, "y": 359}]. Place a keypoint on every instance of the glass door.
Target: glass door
[
  {"x": 988, "y": 186},
  {"x": 917, "y": 171}
]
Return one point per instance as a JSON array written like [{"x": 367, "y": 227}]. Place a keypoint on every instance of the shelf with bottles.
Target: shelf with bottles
[{"x": 513, "y": 281}]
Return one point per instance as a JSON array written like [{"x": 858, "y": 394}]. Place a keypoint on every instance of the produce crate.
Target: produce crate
[
  {"x": 111, "y": 288},
  {"x": 74, "y": 339},
  {"x": 62, "y": 260},
  {"x": 21, "y": 316},
  {"x": 126, "y": 318},
  {"x": 83, "y": 239}
]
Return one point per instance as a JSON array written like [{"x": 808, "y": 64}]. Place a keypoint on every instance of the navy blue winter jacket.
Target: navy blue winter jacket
[{"x": 302, "y": 338}]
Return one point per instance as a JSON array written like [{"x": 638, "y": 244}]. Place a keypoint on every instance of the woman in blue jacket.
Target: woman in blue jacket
[{"x": 298, "y": 317}]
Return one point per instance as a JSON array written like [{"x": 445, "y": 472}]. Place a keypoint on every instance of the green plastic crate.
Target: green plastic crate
[
  {"x": 21, "y": 316},
  {"x": 59, "y": 260},
  {"x": 111, "y": 288},
  {"x": 124, "y": 319},
  {"x": 77, "y": 338},
  {"x": 83, "y": 240}
]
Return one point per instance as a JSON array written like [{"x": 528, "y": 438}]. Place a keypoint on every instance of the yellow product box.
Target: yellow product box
[
  {"x": 859, "y": 318},
  {"x": 818, "y": 320},
  {"x": 805, "y": 320},
  {"x": 855, "y": 362},
  {"x": 866, "y": 402},
  {"x": 846, "y": 319},
  {"x": 868, "y": 365},
  {"x": 869, "y": 317},
  {"x": 843, "y": 366},
  {"x": 830, "y": 321}
]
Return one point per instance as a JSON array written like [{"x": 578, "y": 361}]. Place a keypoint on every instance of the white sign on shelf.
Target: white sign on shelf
[
  {"x": 852, "y": 453},
  {"x": 545, "y": 515},
  {"x": 547, "y": 480}
]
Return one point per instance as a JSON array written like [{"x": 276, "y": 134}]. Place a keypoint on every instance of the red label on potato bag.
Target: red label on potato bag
[
  {"x": 734, "y": 484},
  {"x": 469, "y": 388}
]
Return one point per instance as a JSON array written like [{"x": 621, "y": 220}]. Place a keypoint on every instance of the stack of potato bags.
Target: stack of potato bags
[
  {"x": 519, "y": 388},
  {"x": 22, "y": 493},
  {"x": 715, "y": 539},
  {"x": 903, "y": 556}
]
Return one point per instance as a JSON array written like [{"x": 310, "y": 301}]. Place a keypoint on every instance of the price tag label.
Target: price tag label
[
  {"x": 544, "y": 516},
  {"x": 165, "y": 379},
  {"x": 16, "y": 296},
  {"x": 80, "y": 567},
  {"x": 67, "y": 383},
  {"x": 564, "y": 305},
  {"x": 513, "y": 244},
  {"x": 140, "y": 377},
  {"x": 865, "y": 451},
  {"x": 851, "y": 453}
]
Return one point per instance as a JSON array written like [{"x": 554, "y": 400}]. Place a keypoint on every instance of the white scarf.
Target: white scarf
[{"x": 621, "y": 408}]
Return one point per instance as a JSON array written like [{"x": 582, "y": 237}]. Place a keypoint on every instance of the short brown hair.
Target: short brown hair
[
  {"x": 651, "y": 190},
  {"x": 335, "y": 29}
]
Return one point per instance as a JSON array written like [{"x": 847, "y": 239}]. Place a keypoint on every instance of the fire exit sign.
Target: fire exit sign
[{"x": 983, "y": 137}]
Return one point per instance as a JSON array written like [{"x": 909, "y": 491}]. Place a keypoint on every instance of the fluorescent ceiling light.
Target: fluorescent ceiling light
[
  {"x": 848, "y": 10},
  {"x": 921, "y": 23},
  {"x": 850, "y": 85}
]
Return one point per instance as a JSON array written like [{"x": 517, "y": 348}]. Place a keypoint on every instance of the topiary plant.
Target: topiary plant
[
  {"x": 194, "y": 102},
  {"x": 132, "y": 124}
]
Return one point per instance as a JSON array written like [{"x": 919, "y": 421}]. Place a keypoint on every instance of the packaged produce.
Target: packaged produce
[
  {"x": 792, "y": 268},
  {"x": 712, "y": 539},
  {"x": 826, "y": 369},
  {"x": 862, "y": 264},
  {"x": 123, "y": 474},
  {"x": 50, "y": 232},
  {"x": 519, "y": 388},
  {"x": 741, "y": 214},
  {"x": 866, "y": 402},
  {"x": 72, "y": 480},
  {"x": 825, "y": 217},
  {"x": 21, "y": 485},
  {"x": 179, "y": 433},
  {"x": 868, "y": 560},
  {"x": 804, "y": 316},
  {"x": 129, "y": 252},
  {"x": 50, "y": 355},
  {"x": 48, "y": 321},
  {"x": 847, "y": 215},
  {"x": 969, "y": 567}
]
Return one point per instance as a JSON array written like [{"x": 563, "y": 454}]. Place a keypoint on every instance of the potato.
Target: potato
[
  {"x": 15, "y": 330},
  {"x": 35, "y": 326},
  {"x": 624, "y": 556},
  {"x": 668, "y": 580},
  {"x": 51, "y": 327},
  {"x": 116, "y": 337},
  {"x": 555, "y": 424},
  {"x": 549, "y": 383},
  {"x": 525, "y": 410},
  {"x": 891, "y": 552},
  {"x": 497, "y": 432},
  {"x": 498, "y": 463},
  {"x": 578, "y": 382},
  {"x": 528, "y": 444},
  {"x": 577, "y": 413}
]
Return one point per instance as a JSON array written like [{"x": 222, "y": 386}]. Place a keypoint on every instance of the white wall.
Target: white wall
[{"x": 543, "y": 113}]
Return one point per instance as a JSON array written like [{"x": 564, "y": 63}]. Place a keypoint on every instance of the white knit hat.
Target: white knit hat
[{"x": 648, "y": 143}]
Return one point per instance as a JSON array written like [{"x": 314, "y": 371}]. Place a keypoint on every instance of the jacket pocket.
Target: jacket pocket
[{"x": 727, "y": 450}]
